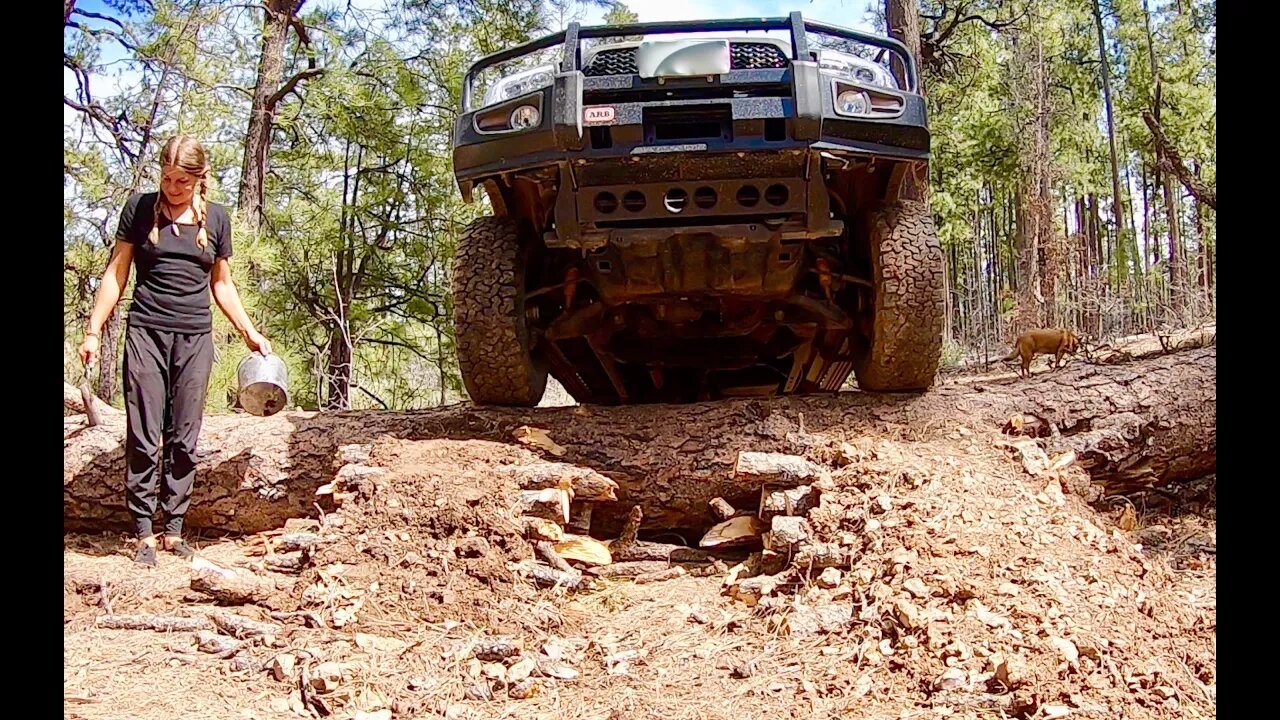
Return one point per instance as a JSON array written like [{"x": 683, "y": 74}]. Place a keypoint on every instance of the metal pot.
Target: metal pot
[{"x": 264, "y": 384}]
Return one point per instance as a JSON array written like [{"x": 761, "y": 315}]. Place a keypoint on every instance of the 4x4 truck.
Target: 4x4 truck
[{"x": 683, "y": 219}]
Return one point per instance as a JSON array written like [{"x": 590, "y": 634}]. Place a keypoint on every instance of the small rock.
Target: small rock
[
  {"x": 884, "y": 503},
  {"x": 1165, "y": 692},
  {"x": 282, "y": 665},
  {"x": 353, "y": 454},
  {"x": 846, "y": 454},
  {"x": 383, "y": 714},
  {"x": 908, "y": 614},
  {"x": 751, "y": 590},
  {"x": 458, "y": 711},
  {"x": 742, "y": 671},
  {"x": 525, "y": 689},
  {"x": 1008, "y": 589},
  {"x": 804, "y": 620},
  {"x": 369, "y": 643},
  {"x": 952, "y": 679},
  {"x": 473, "y": 668},
  {"x": 241, "y": 664},
  {"x": 829, "y": 578},
  {"x": 964, "y": 431},
  {"x": 472, "y": 547},
  {"x": 916, "y": 587},
  {"x": 326, "y": 677},
  {"x": 872, "y": 525},
  {"x": 1067, "y": 649},
  {"x": 554, "y": 651},
  {"x": 557, "y": 670},
  {"x": 521, "y": 670},
  {"x": 478, "y": 691},
  {"x": 494, "y": 671},
  {"x": 1055, "y": 711}
]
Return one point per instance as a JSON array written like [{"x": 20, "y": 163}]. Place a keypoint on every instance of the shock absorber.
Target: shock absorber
[
  {"x": 824, "y": 277},
  {"x": 570, "y": 287}
]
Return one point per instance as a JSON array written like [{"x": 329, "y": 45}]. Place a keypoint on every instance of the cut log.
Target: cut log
[
  {"x": 822, "y": 555},
  {"x": 787, "y": 533},
  {"x": 233, "y": 589},
  {"x": 787, "y": 501},
  {"x": 587, "y": 484},
  {"x": 668, "y": 574},
  {"x": 582, "y": 549},
  {"x": 242, "y": 627},
  {"x": 157, "y": 623},
  {"x": 777, "y": 469},
  {"x": 721, "y": 508},
  {"x": 658, "y": 551},
  {"x": 1132, "y": 425},
  {"x": 543, "y": 576},
  {"x": 548, "y": 503},
  {"x": 287, "y": 564},
  {"x": 497, "y": 648},
  {"x": 629, "y": 569},
  {"x": 741, "y": 531},
  {"x": 536, "y": 528},
  {"x": 547, "y": 552}
]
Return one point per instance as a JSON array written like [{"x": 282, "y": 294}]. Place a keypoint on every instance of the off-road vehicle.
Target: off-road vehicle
[{"x": 679, "y": 219}]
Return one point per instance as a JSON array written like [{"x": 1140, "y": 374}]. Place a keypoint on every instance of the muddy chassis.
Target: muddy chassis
[{"x": 687, "y": 238}]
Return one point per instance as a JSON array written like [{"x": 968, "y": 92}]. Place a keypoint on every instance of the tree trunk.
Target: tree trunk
[
  {"x": 338, "y": 372},
  {"x": 253, "y": 172},
  {"x": 1117, "y": 198},
  {"x": 1175, "y": 247},
  {"x": 1141, "y": 423},
  {"x": 902, "y": 18}
]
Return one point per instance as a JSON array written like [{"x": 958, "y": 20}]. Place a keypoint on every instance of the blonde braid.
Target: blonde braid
[
  {"x": 154, "y": 235},
  {"x": 201, "y": 207}
]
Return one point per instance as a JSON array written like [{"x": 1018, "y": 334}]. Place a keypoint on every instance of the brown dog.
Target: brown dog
[{"x": 1056, "y": 342}]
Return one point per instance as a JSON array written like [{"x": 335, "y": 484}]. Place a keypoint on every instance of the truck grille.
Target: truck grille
[{"x": 742, "y": 56}]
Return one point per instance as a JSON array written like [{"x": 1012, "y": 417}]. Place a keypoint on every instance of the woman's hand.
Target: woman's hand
[
  {"x": 89, "y": 350},
  {"x": 257, "y": 342}
]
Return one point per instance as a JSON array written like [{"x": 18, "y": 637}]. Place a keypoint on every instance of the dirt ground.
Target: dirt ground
[{"x": 976, "y": 590}]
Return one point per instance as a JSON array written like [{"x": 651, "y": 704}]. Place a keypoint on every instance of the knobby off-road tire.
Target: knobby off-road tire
[
  {"x": 498, "y": 363},
  {"x": 908, "y": 301}
]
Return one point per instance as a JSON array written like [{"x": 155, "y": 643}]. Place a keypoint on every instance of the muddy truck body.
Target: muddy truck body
[{"x": 690, "y": 218}]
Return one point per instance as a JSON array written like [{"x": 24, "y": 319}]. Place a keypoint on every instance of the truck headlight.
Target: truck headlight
[
  {"x": 852, "y": 67},
  {"x": 853, "y": 102},
  {"x": 521, "y": 83},
  {"x": 524, "y": 117}
]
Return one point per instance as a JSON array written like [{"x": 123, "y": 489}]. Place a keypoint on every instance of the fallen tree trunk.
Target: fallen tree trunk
[{"x": 1131, "y": 425}]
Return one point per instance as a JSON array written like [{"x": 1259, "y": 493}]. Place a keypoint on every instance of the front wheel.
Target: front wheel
[
  {"x": 495, "y": 349},
  {"x": 908, "y": 301}
]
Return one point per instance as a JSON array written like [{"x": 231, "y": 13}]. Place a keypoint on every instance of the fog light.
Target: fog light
[
  {"x": 853, "y": 102},
  {"x": 524, "y": 117}
]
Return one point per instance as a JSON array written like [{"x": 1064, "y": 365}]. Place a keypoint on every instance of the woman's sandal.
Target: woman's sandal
[{"x": 179, "y": 547}]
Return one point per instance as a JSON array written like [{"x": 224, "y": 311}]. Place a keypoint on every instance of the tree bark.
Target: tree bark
[
  {"x": 270, "y": 90},
  {"x": 1117, "y": 199},
  {"x": 1150, "y": 421},
  {"x": 902, "y": 18}
]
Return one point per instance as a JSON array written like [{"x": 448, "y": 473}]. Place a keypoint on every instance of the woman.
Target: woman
[{"x": 179, "y": 242}]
